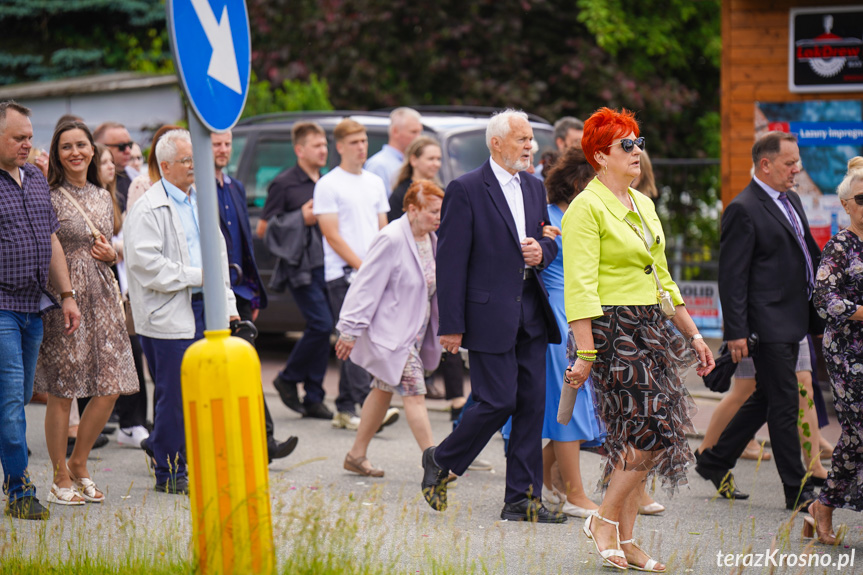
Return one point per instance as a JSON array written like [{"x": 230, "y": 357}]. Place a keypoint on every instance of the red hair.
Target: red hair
[{"x": 602, "y": 128}]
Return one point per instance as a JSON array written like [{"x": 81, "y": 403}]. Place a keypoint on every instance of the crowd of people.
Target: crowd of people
[{"x": 585, "y": 346}]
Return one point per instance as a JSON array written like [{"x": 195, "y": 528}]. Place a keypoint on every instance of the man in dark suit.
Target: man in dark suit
[
  {"x": 245, "y": 279},
  {"x": 766, "y": 275},
  {"x": 493, "y": 302}
]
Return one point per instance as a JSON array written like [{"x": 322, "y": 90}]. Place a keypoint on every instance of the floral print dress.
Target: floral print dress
[{"x": 838, "y": 293}]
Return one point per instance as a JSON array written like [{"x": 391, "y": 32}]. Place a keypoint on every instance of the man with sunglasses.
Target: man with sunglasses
[
  {"x": 117, "y": 139},
  {"x": 767, "y": 261}
]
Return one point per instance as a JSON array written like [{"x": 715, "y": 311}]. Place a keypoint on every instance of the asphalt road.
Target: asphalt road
[{"x": 387, "y": 522}]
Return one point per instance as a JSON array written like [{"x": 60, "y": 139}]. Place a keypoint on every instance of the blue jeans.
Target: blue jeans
[
  {"x": 308, "y": 360},
  {"x": 20, "y": 338}
]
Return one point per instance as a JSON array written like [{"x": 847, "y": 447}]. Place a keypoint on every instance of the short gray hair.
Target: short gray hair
[
  {"x": 11, "y": 105},
  {"x": 498, "y": 125},
  {"x": 854, "y": 175},
  {"x": 564, "y": 125},
  {"x": 399, "y": 115},
  {"x": 166, "y": 148}
]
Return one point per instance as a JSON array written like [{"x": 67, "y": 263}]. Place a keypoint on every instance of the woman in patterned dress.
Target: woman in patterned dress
[
  {"x": 614, "y": 256},
  {"x": 389, "y": 321},
  {"x": 95, "y": 361},
  {"x": 839, "y": 300}
]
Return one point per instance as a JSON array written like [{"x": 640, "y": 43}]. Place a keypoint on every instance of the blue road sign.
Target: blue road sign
[{"x": 213, "y": 54}]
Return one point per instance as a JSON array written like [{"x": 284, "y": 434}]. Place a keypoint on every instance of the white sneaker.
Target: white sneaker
[
  {"x": 390, "y": 417},
  {"x": 132, "y": 436},
  {"x": 345, "y": 420}
]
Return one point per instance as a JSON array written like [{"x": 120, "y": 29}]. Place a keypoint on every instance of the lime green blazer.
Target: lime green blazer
[{"x": 604, "y": 260}]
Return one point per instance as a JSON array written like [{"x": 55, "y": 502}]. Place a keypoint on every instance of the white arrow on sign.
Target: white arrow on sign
[{"x": 223, "y": 63}]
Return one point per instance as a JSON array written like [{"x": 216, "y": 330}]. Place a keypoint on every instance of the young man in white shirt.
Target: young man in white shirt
[{"x": 351, "y": 206}]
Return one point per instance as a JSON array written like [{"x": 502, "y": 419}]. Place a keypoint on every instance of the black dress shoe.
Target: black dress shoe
[
  {"x": 276, "y": 450},
  {"x": 797, "y": 499},
  {"x": 178, "y": 486},
  {"x": 109, "y": 429},
  {"x": 101, "y": 441},
  {"x": 723, "y": 481},
  {"x": 317, "y": 411},
  {"x": 289, "y": 394},
  {"x": 434, "y": 481},
  {"x": 27, "y": 507},
  {"x": 530, "y": 510}
]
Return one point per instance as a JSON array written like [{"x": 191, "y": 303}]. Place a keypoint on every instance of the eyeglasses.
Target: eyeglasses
[
  {"x": 858, "y": 199},
  {"x": 188, "y": 161},
  {"x": 123, "y": 146},
  {"x": 627, "y": 144}
]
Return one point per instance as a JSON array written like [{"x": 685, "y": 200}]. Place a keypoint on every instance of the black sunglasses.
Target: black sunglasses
[
  {"x": 627, "y": 144},
  {"x": 127, "y": 145},
  {"x": 858, "y": 199}
]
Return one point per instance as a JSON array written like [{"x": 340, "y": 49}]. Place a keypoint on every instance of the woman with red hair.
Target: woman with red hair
[{"x": 620, "y": 304}]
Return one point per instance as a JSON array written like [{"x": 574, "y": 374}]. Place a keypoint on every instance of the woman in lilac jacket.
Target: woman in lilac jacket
[{"x": 389, "y": 321}]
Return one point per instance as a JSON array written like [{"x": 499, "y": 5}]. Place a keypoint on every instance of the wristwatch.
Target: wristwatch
[
  {"x": 694, "y": 337},
  {"x": 72, "y": 294}
]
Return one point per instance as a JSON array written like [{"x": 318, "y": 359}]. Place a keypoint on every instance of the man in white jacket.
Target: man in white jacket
[{"x": 163, "y": 258}]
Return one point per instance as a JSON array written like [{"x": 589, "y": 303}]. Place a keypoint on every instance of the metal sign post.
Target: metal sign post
[{"x": 222, "y": 398}]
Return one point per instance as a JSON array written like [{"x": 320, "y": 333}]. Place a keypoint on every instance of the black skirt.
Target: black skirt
[{"x": 639, "y": 392}]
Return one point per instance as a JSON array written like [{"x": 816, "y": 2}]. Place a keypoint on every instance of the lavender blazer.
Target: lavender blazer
[{"x": 385, "y": 305}]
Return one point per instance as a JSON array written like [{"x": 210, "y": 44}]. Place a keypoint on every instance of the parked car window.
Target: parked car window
[{"x": 270, "y": 158}]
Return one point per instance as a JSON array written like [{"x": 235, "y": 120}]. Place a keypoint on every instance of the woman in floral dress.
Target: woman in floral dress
[
  {"x": 95, "y": 361},
  {"x": 839, "y": 299}
]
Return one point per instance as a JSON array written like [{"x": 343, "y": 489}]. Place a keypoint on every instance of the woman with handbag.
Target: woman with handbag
[
  {"x": 619, "y": 298},
  {"x": 95, "y": 361}
]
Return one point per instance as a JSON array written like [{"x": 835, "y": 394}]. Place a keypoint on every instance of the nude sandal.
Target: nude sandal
[
  {"x": 651, "y": 562},
  {"x": 64, "y": 495},
  {"x": 608, "y": 552},
  {"x": 356, "y": 466}
]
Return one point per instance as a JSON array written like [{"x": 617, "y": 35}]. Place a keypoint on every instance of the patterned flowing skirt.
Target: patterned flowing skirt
[{"x": 639, "y": 392}]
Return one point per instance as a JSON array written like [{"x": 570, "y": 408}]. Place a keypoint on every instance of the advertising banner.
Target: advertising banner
[{"x": 824, "y": 48}]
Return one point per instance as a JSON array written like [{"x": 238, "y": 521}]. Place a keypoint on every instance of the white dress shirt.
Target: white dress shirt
[{"x": 511, "y": 186}]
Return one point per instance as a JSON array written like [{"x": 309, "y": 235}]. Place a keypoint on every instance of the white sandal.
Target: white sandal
[
  {"x": 608, "y": 552},
  {"x": 88, "y": 490},
  {"x": 64, "y": 495},
  {"x": 651, "y": 562}
]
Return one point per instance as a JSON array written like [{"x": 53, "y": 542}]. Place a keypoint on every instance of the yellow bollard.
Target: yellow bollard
[{"x": 226, "y": 453}]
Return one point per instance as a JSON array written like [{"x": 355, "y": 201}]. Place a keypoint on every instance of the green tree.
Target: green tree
[{"x": 48, "y": 39}]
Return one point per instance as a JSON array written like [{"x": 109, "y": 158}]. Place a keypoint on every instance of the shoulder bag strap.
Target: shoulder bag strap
[
  {"x": 647, "y": 247},
  {"x": 93, "y": 230}
]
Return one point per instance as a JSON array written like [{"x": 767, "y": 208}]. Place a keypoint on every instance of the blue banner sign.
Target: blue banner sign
[{"x": 813, "y": 134}]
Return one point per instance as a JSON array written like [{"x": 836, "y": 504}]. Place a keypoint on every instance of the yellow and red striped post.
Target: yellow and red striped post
[{"x": 226, "y": 454}]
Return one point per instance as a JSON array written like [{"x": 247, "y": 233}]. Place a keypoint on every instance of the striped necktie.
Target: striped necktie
[{"x": 798, "y": 231}]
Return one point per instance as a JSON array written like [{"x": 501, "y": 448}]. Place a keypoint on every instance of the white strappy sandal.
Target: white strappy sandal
[
  {"x": 608, "y": 552},
  {"x": 88, "y": 490},
  {"x": 64, "y": 496},
  {"x": 651, "y": 564}
]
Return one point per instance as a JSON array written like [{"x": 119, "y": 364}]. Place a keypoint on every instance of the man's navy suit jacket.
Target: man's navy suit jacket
[{"x": 480, "y": 266}]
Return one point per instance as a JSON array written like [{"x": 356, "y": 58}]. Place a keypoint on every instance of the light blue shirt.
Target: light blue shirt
[
  {"x": 187, "y": 208},
  {"x": 774, "y": 195},
  {"x": 386, "y": 165}
]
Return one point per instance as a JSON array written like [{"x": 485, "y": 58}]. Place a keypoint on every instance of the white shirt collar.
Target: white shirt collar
[
  {"x": 504, "y": 178},
  {"x": 770, "y": 191}
]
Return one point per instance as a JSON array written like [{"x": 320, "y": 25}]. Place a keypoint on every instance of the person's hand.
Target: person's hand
[
  {"x": 71, "y": 315},
  {"x": 308, "y": 215},
  {"x": 551, "y": 232},
  {"x": 344, "y": 348},
  {"x": 451, "y": 342},
  {"x": 103, "y": 251},
  {"x": 531, "y": 251},
  {"x": 233, "y": 318},
  {"x": 577, "y": 374},
  {"x": 705, "y": 357},
  {"x": 41, "y": 162},
  {"x": 255, "y": 313},
  {"x": 738, "y": 348}
]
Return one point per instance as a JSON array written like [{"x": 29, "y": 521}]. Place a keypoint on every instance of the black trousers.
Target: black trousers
[
  {"x": 244, "y": 309},
  {"x": 775, "y": 401},
  {"x": 130, "y": 409}
]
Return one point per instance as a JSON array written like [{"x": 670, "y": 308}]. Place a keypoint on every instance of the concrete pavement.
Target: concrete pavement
[{"x": 389, "y": 523}]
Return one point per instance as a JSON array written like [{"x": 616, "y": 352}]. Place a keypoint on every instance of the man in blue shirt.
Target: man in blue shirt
[
  {"x": 31, "y": 255},
  {"x": 405, "y": 127},
  {"x": 245, "y": 279}
]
